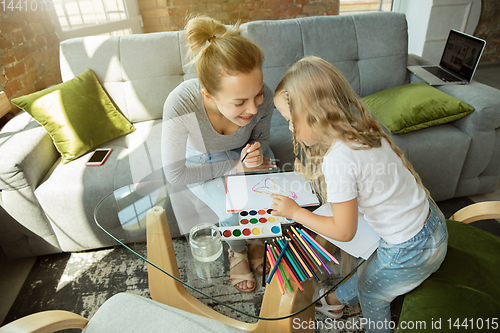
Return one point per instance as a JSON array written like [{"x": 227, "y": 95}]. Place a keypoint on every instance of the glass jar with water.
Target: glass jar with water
[{"x": 205, "y": 241}]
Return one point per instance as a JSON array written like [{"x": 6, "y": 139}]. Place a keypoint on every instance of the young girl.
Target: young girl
[
  {"x": 211, "y": 123},
  {"x": 354, "y": 165}
]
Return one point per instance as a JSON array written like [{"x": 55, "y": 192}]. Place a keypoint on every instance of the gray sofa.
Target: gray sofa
[{"x": 47, "y": 207}]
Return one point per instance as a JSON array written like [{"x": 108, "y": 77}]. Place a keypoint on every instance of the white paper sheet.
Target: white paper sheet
[
  {"x": 253, "y": 191},
  {"x": 364, "y": 243}
]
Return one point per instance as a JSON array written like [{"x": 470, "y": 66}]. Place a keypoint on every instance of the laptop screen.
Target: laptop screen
[{"x": 461, "y": 54}]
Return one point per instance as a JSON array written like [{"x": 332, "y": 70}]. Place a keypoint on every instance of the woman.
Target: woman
[{"x": 213, "y": 122}]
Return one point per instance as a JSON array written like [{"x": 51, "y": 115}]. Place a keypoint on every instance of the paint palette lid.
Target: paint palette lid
[{"x": 263, "y": 215}]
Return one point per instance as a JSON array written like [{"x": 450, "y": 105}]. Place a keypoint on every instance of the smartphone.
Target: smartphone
[{"x": 99, "y": 156}]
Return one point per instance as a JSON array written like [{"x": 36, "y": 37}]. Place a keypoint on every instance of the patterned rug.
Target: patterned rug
[{"x": 81, "y": 282}]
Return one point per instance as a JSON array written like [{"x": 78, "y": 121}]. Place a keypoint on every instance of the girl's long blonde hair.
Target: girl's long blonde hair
[
  {"x": 219, "y": 51},
  {"x": 320, "y": 95}
]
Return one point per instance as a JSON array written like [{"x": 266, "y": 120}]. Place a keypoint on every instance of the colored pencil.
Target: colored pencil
[
  {"x": 276, "y": 266},
  {"x": 308, "y": 238},
  {"x": 249, "y": 148},
  {"x": 279, "y": 264},
  {"x": 264, "y": 265},
  {"x": 305, "y": 245},
  {"x": 302, "y": 275},
  {"x": 304, "y": 266},
  {"x": 277, "y": 280},
  {"x": 292, "y": 274},
  {"x": 310, "y": 269},
  {"x": 306, "y": 254},
  {"x": 303, "y": 253},
  {"x": 286, "y": 259},
  {"x": 327, "y": 254},
  {"x": 316, "y": 254}
]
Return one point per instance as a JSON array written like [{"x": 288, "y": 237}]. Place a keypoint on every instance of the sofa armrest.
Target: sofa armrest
[
  {"x": 415, "y": 60},
  {"x": 27, "y": 153},
  {"x": 480, "y": 172},
  {"x": 484, "y": 99}
]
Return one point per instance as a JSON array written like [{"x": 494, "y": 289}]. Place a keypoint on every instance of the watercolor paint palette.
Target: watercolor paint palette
[
  {"x": 262, "y": 230},
  {"x": 255, "y": 216},
  {"x": 255, "y": 223}
]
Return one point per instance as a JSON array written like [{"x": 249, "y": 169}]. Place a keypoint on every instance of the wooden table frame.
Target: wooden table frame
[{"x": 166, "y": 290}]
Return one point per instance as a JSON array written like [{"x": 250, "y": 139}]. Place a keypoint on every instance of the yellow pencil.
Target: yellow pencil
[{"x": 306, "y": 246}]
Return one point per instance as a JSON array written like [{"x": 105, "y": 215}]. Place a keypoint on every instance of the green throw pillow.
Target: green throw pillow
[
  {"x": 415, "y": 106},
  {"x": 464, "y": 293},
  {"x": 77, "y": 114}
]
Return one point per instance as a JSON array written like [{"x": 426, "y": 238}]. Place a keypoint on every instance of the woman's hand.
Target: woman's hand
[
  {"x": 253, "y": 160},
  {"x": 252, "y": 155},
  {"x": 266, "y": 165},
  {"x": 284, "y": 206}
]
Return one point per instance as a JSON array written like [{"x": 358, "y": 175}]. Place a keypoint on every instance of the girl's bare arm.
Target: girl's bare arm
[{"x": 342, "y": 226}]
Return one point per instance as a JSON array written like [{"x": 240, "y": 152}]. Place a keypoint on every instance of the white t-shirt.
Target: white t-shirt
[{"x": 388, "y": 194}]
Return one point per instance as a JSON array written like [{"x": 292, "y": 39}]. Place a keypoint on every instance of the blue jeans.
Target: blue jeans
[
  {"x": 393, "y": 270},
  {"x": 213, "y": 192}
]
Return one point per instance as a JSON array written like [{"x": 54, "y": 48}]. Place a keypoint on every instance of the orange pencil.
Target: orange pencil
[
  {"x": 269, "y": 256},
  {"x": 308, "y": 272}
]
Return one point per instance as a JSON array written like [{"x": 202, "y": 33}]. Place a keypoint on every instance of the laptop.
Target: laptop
[{"x": 458, "y": 63}]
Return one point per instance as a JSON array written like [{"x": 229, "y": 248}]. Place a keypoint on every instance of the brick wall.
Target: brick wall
[
  {"x": 488, "y": 29},
  {"x": 170, "y": 15},
  {"x": 29, "y": 53}
]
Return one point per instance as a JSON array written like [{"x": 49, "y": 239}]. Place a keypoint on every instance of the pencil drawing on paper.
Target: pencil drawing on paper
[{"x": 268, "y": 186}]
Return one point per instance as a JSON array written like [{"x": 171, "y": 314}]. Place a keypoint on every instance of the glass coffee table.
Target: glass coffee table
[{"x": 137, "y": 213}]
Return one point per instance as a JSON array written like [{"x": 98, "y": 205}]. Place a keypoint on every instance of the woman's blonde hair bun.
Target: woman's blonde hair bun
[
  {"x": 218, "y": 50},
  {"x": 201, "y": 29}
]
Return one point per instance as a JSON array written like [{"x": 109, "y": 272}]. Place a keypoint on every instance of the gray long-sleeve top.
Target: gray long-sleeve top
[{"x": 185, "y": 122}]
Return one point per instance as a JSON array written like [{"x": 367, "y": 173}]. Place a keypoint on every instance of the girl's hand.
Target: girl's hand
[
  {"x": 255, "y": 156},
  {"x": 284, "y": 206}
]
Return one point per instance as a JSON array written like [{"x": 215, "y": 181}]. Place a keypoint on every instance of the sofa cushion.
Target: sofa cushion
[
  {"x": 370, "y": 50},
  {"x": 138, "y": 87},
  {"x": 415, "y": 106},
  {"x": 77, "y": 114},
  {"x": 429, "y": 149}
]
